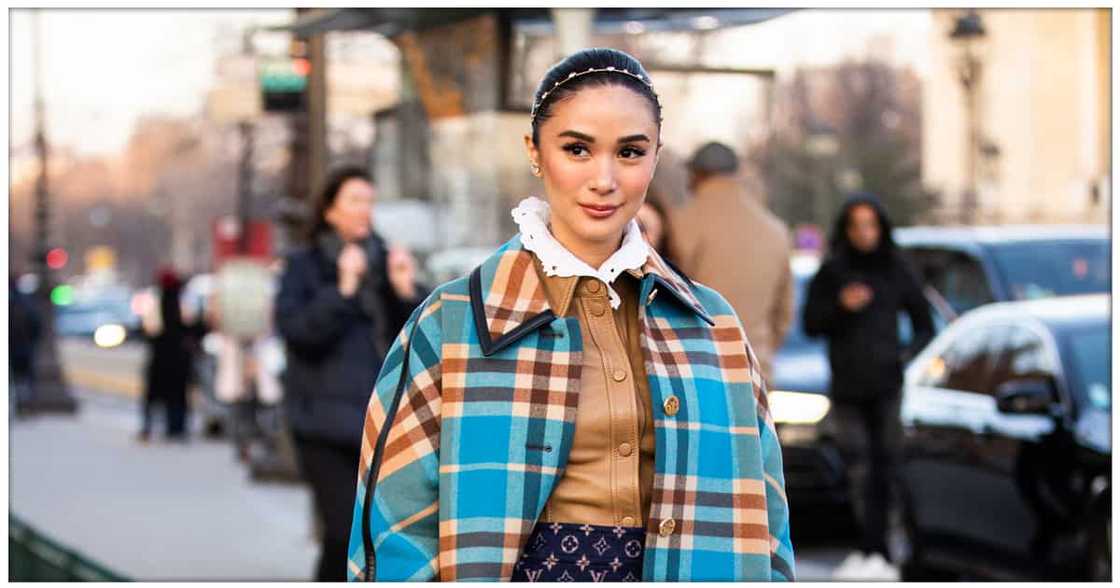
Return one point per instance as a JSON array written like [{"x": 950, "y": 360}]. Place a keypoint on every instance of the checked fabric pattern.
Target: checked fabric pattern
[{"x": 485, "y": 425}]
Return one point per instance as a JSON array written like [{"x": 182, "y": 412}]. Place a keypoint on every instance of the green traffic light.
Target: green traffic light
[{"x": 62, "y": 295}]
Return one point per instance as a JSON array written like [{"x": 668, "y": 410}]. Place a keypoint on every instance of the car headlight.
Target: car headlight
[
  {"x": 109, "y": 335},
  {"x": 797, "y": 407}
]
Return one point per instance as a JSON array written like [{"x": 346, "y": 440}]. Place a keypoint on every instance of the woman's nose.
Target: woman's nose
[{"x": 605, "y": 181}]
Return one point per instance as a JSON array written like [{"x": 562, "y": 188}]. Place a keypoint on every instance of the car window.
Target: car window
[
  {"x": 1019, "y": 353},
  {"x": 1053, "y": 268},
  {"x": 964, "y": 365},
  {"x": 964, "y": 284},
  {"x": 957, "y": 277},
  {"x": 1087, "y": 351}
]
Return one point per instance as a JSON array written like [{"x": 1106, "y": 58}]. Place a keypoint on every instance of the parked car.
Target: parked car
[
  {"x": 1006, "y": 458},
  {"x": 966, "y": 267},
  {"x": 104, "y": 317}
]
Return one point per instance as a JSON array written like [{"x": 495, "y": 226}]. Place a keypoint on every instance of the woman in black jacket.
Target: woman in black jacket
[
  {"x": 854, "y": 302},
  {"x": 341, "y": 301}
]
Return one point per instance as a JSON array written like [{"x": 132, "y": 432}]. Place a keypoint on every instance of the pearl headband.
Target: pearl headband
[{"x": 574, "y": 75}]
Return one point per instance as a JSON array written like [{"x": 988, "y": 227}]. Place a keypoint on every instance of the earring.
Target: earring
[{"x": 536, "y": 169}]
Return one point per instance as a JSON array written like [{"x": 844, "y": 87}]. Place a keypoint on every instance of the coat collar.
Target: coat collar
[{"x": 508, "y": 299}]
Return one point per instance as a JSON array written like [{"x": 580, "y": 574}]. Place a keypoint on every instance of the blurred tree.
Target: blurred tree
[
  {"x": 854, "y": 126},
  {"x": 153, "y": 203}
]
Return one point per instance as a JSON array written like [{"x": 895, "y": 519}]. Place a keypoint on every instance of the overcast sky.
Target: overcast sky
[{"x": 104, "y": 68}]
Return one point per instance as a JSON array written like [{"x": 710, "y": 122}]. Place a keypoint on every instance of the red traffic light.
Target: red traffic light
[
  {"x": 302, "y": 66},
  {"x": 57, "y": 258}
]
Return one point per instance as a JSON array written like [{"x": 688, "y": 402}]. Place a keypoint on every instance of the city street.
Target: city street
[{"x": 168, "y": 511}]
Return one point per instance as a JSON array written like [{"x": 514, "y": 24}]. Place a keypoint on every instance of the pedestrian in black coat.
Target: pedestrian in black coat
[
  {"x": 341, "y": 302},
  {"x": 170, "y": 361},
  {"x": 854, "y": 302},
  {"x": 24, "y": 330}
]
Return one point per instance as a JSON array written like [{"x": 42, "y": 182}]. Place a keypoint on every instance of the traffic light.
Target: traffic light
[
  {"x": 63, "y": 295},
  {"x": 57, "y": 258},
  {"x": 283, "y": 82}
]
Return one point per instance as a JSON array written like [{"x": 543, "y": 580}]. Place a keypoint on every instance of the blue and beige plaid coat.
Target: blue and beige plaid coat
[{"x": 483, "y": 426}]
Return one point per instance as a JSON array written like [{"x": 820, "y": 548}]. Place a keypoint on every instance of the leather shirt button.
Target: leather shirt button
[
  {"x": 593, "y": 286},
  {"x": 625, "y": 449},
  {"x": 667, "y": 527},
  {"x": 672, "y": 405},
  {"x": 628, "y": 521},
  {"x": 598, "y": 307},
  {"x": 618, "y": 374}
]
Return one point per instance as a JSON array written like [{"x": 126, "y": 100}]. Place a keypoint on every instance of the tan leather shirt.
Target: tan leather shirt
[{"x": 609, "y": 475}]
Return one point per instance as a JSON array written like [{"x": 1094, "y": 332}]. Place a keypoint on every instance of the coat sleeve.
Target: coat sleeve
[
  {"x": 404, "y": 511},
  {"x": 310, "y": 315},
  {"x": 918, "y": 308},
  {"x": 822, "y": 311},
  {"x": 777, "y": 504}
]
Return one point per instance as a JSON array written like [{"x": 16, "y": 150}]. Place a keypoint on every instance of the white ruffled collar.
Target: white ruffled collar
[{"x": 531, "y": 216}]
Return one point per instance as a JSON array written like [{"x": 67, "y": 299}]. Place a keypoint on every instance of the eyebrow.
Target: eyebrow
[{"x": 590, "y": 139}]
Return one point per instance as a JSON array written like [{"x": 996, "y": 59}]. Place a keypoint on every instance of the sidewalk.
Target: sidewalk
[{"x": 159, "y": 511}]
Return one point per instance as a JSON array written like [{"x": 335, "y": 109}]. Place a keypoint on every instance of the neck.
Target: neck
[{"x": 593, "y": 253}]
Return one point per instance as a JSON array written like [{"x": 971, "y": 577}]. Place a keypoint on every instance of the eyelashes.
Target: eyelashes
[{"x": 581, "y": 150}]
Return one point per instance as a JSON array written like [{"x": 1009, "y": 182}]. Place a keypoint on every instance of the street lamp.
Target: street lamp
[
  {"x": 967, "y": 34},
  {"x": 50, "y": 392}
]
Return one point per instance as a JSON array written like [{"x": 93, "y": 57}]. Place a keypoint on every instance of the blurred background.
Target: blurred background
[{"x": 195, "y": 141}]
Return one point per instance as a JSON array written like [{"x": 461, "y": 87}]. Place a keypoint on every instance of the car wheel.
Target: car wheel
[{"x": 1100, "y": 551}]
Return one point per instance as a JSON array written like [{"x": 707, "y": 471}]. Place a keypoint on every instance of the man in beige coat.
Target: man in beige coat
[{"x": 727, "y": 240}]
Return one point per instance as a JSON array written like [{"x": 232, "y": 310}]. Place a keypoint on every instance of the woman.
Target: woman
[
  {"x": 171, "y": 346},
  {"x": 340, "y": 302},
  {"x": 854, "y": 301},
  {"x": 574, "y": 409}
]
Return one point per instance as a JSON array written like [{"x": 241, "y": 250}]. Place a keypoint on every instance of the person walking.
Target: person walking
[
  {"x": 574, "y": 409},
  {"x": 24, "y": 330},
  {"x": 168, "y": 372},
  {"x": 854, "y": 302},
  {"x": 341, "y": 300},
  {"x": 726, "y": 239}
]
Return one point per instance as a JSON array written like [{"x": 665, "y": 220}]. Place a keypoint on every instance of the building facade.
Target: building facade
[{"x": 1042, "y": 109}]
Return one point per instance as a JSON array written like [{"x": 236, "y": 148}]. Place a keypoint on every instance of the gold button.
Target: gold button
[
  {"x": 652, "y": 295},
  {"x": 628, "y": 521},
  {"x": 592, "y": 285},
  {"x": 598, "y": 308},
  {"x": 672, "y": 405},
  {"x": 618, "y": 374},
  {"x": 667, "y": 527},
  {"x": 625, "y": 449}
]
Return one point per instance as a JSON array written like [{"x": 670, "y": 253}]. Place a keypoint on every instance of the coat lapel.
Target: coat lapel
[{"x": 507, "y": 298}]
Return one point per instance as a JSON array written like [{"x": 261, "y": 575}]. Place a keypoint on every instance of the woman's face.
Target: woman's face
[
  {"x": 350, "y": 215},
  {"x": 863, "y": 228},
  {"x": 597, "y": 154}
]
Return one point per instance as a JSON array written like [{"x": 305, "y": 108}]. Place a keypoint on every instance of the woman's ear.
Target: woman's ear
[{"x": 534, "y": 155}]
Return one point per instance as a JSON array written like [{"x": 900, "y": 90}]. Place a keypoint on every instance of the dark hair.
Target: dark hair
[
  {"x": 714, "y": 158},
  {"x": 839, "y": 244},
  {"x": 326, "y": 199},
  {"x": 563, "y": 80}
]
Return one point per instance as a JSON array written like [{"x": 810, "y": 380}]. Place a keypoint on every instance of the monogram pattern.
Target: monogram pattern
[{"x": 600, "y": 554}]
